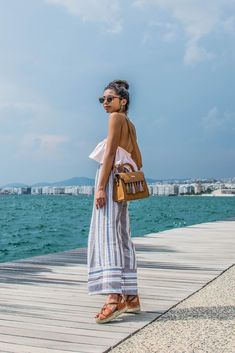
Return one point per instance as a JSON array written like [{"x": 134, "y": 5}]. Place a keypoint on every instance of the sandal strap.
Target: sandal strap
[
  {"x": 133, "y": 302},
  {"x": 133, "y": 298},
  {"x": 106, "y": 309}
]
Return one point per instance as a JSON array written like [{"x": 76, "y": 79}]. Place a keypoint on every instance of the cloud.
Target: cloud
[
  {"x": 33, "y": 131},
  {"x": 42, "y": 146},
  {"x": 167, "y": 31},
  {"x": 198, "y": 19},
  {"x": 28, "y": 126},
  {"x": 216, "y": 122},
  {"x": 104, "y": 11},
  {"x": 19, "y": 118},
  {"x": 229, "y": 25},
  {"x": 195, "y": 54},
  {"x": 25, "y": 110},
  {"x": 20, "y": 105}
]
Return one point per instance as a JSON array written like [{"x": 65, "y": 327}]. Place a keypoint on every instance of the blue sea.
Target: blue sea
[{"x": 33, "y": 225}]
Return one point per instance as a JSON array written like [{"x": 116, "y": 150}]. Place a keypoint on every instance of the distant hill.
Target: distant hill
[
  {"x": 43, "y": 183},
  {"x": 68, "y": 182},
  {"x": 14, "y": 185}
]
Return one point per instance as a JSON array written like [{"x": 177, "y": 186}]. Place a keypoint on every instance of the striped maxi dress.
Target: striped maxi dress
[{"x": 111, "y": 252}]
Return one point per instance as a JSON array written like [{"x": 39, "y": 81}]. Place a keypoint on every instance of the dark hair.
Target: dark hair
[{"x": 121, "y": 89}]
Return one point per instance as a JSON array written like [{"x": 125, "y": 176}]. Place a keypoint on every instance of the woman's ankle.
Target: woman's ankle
[{"x": 113, "y": 297}]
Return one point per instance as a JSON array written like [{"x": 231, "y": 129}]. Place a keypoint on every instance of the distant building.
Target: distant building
[
  {"x": 36, "y": 190},
  {"x": 24, "y": 191},
  {"x": 150, "y": 188},
  {"x": 165, "y": 189},
  {"x": 87, "y": 190},
  {"x": 220, "y": 192},
  {"x": 67, "y": 190},
  {"x": 197, "y": 188},
  {"x": 71, "y": 190},
  {"x": 58, "y": 190},
  {"x": 48, "y": 190},
  {"x": 186, "y": 189}
]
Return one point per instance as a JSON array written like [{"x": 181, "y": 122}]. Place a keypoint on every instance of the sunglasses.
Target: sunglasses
[{"x": 109, "y": 99}]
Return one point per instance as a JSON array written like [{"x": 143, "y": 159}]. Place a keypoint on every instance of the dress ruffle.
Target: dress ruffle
[{"x": 122, "y": 156}]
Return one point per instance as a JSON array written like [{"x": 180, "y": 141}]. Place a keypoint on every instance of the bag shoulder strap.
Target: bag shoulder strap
[{"x": 135, "y": 154}]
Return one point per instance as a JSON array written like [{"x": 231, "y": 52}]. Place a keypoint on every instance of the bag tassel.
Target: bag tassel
[
  {"x": 141, "y": 187},
  {"x": 129, "y": 188}
]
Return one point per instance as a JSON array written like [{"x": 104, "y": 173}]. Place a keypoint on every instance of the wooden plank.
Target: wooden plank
[
  {"x": 82, "y": 318},
  {"x": 16, "y": 348},
  {"x": 34, "y": 333},
  {"x": 59, "y": 329},
  {"x": 24, "y": 319},
  {"x": 29, "y": 345}
]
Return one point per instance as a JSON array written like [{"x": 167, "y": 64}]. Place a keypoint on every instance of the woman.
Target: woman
[{"x": 111, "y": 254}]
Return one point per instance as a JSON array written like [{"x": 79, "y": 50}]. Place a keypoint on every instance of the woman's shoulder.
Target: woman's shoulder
[
  {"x": 117, "y": 118},
  {"x": 117, "y": 115}
]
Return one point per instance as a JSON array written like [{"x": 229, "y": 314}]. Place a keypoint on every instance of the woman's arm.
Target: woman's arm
[{"x": 113, "y": 139}]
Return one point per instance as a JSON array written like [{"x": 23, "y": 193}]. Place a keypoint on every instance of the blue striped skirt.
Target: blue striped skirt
[{"x": 111, "y": 252}]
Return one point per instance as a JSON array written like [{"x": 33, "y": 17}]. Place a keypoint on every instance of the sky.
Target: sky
[{"x": 56, "y": 56}]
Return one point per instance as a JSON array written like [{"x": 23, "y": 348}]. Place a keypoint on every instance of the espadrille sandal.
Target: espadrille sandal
[
  {"x": 133, "y": 304},
  {"x": 110, "y": 311}
]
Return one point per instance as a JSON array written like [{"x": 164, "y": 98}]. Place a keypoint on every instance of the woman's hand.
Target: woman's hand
[{"x": 100, "y": 198}]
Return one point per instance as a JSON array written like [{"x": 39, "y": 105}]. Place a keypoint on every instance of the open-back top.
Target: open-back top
[{"x": 122, "y": 155}]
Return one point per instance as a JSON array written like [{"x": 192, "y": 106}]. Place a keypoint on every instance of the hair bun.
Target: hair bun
[{"x": 121, "y": 83}]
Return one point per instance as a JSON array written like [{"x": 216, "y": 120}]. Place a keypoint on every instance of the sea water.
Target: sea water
[{"x": 33, "y": 225}]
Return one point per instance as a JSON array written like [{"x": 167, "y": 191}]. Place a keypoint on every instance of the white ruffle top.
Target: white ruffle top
[{"x": 122, "y": 156}]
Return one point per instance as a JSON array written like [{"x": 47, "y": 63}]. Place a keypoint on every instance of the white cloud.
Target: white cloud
[
  {"x": 104, "y": 11},
  {"x": 195, "y": 54},
  {"x": 215, "y": 121},
  {"x": 229, "y": 25},
  {"x": 23, "y": 110},
  {"x": 28, "y": 126},
  {"x": 40, "y": 147},
  {"x": 166, "y": 30},
  {"x": 198, "y": 19},
  {"x": 19, "y": 103}
]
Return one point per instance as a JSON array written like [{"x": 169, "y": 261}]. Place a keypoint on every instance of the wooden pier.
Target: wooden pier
[{"x": 44, "y": 306}]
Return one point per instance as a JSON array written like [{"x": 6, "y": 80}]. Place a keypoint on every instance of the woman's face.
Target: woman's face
[{"x": 113, "y": 102}]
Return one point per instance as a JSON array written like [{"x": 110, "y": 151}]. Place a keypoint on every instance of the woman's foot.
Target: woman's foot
[
  {"x": 132, "y": 303},
  {"x": 114, "y": 306}
]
